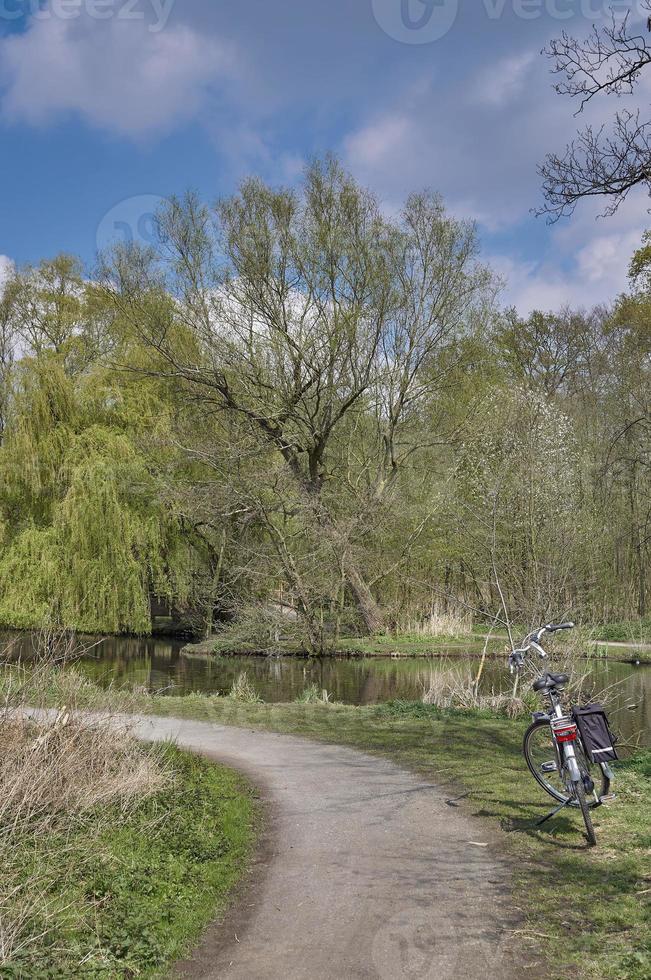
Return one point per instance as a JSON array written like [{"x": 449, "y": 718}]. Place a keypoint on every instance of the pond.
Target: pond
[{"x": 162, "y": 665}]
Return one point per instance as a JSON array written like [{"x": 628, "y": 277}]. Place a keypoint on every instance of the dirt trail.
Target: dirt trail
[{"x": 365, "y": 872}]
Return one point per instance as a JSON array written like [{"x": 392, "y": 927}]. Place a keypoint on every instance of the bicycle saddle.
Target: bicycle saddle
[{"x": 548, "y": 681}]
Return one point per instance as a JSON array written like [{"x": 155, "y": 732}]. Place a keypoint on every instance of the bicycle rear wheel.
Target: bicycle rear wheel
[{"x": 540, "y": 754}]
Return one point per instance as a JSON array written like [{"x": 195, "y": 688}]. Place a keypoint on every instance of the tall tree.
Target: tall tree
[{"x": 303, "y": 313}]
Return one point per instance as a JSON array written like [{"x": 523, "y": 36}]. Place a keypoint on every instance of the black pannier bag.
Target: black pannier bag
[{"x": 596, "y": 736}]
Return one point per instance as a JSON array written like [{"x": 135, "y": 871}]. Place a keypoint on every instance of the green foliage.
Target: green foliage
[
  {"x": 151, "y": 883},
  {"x": 517, "y": 501},
  {"x": 86, "y": 531},
  {"x": 640, "y": 267},
  {"x": 315, "y": 423},
  {"x": 633, "y": 631}
]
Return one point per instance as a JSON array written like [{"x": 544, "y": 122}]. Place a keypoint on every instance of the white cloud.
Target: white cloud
[
  {"x": 371, "y": 145},
  {"x": 116, "y": 74},
  {"x": 504, "y": 81},
  {"x": 586, "y": 263},
  {"x": 479, "y": 145}
]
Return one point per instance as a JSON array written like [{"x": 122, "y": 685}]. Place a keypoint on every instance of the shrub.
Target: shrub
[{"x": 242, "y": 690}]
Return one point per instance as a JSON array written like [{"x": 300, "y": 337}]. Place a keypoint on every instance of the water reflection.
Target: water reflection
[{"x": 161, "y": 664}]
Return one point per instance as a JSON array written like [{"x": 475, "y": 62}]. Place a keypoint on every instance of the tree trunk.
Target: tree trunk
[
  {"x": 368, "y": 607},
  {"x": 216, "y": 575},
  {"x": 366, "y": 604}
]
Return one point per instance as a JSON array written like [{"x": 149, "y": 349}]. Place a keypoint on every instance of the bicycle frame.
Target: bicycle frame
[
  {"x": 565, "y": 754},
  {"x": 570, "y": 763}
]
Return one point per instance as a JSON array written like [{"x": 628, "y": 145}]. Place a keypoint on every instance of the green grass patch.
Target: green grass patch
[
  {"x": 382, "y": 645},
  {"x": 150, "y": 880},
  {"x": 591, "y": 904},
  {"x": 632, "y": 631}
]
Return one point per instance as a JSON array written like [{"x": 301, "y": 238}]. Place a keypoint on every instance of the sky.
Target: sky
[{"x": 107, "y": 106}]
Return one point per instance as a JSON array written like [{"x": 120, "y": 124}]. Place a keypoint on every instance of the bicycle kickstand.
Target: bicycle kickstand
[{"x": 552, "y": 813}]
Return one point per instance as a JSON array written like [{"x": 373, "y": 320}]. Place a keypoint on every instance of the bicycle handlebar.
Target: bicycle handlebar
[
  {"x": 536, "y": 636},
  {"x": 516, "y": 657},
  {"x": 552, "y": 627}
]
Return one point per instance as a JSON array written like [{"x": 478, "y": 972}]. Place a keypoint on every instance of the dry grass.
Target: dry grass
[
  {"x": 313, "y": 694},
  {"x": 440, "y": 622},
  {"x": 457, "y": 687},
  {"x": 464, "y": 688},
  {"x": 58, "y": 775},
  {"x": 64, "y": 769}
]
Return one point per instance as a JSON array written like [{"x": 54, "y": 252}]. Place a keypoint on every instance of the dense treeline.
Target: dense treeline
[{"x": 297, "y": 400}]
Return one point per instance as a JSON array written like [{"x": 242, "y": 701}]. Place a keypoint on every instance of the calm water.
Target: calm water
[{"x": 160, "y": 664}]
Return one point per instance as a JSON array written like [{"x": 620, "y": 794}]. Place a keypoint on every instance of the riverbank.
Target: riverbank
[
  {"x": 114, "y": 856},
  {"x": 368, "y": 646},
  {"x": 599, "y": 897},
  {"x": 425, "y": 647}
]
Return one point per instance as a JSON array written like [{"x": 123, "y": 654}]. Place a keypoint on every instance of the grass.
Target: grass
[
  {"x": 313, "y": 694},
  {"x": 382, "y": 645},
  {"x": 130, "y": 898},
  {"x": 113, "y": 855},
  {"x": 591, "y": 904},
  {"x": 638, "y": 631},
  {"x": 243, "y": 690}
]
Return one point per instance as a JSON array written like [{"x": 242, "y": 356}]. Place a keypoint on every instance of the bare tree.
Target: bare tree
[
  {"x": 599, "y": 163},
  {"x": 300, "y": 313}
]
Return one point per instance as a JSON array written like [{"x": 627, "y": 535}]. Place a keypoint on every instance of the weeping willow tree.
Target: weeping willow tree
[{"x": 85, "y": 531}]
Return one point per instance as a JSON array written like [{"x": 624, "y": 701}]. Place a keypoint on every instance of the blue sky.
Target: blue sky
[{"x": 107, "y": 105}]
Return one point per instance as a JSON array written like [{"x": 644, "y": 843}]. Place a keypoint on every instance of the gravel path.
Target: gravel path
[{"x": 364, "y": 871}]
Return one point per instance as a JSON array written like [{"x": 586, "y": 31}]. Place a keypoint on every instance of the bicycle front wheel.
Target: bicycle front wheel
[{"x": 540, "y": 754}]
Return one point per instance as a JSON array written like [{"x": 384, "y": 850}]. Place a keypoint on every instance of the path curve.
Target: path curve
[{"x": 366, "y": 871}]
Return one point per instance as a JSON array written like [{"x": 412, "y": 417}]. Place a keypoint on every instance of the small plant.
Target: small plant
[
  {"x": 314, "y": 695},
  {"x": 242, "y": 690},
  {"x": 457, "y": 688}
]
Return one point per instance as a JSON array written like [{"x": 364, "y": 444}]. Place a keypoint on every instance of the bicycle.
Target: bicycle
[{"x": 561, "y": 757}]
